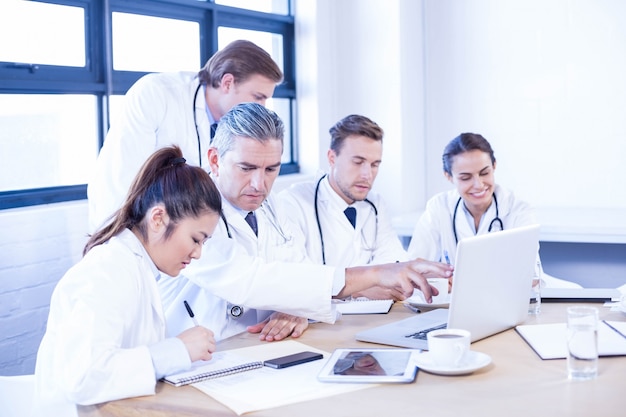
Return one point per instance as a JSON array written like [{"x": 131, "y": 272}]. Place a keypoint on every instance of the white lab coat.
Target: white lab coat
[
  {"x": 433, "y": 234},
  {"x": 269, "y": 273},
  {"x": 104, "y": 313},
  {"x": 373, "y": 240},
  {"x": 157, "y": 113}
]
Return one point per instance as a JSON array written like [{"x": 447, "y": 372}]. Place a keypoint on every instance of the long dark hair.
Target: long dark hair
[{"x": 165, "y": 178}]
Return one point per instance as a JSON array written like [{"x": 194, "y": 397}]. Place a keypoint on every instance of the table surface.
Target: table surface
[{"x": 516, "y": 383}]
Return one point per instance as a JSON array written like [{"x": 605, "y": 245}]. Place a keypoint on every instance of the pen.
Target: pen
[
  {"x": 413, "y": 309},
  {"x": 190, "y": 311},
  {"x": 445, "y": 254}
]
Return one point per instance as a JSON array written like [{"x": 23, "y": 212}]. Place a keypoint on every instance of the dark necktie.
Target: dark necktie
[
  {"x": 213, "y": 129},
  {"x": 251, "y": 220},
  {"x": 350, "y": 213}
]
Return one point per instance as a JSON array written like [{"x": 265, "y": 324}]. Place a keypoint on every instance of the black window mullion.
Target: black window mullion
[{"x": 97, "y": 77}]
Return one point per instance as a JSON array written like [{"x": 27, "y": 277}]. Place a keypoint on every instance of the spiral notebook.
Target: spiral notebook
[{"x": 220, "y": 365}]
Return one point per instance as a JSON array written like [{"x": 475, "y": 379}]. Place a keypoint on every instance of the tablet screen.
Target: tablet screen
[{"x": 370, "y": 365}]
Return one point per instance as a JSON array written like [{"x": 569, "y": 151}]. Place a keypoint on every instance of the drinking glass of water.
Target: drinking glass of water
[
  {"x": 582, "y": 343},
  {"x": 534, "y": 306}
]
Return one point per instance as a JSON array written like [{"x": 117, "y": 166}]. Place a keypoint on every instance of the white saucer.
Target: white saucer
[
  {"x": 417, "y": 300},
  {"x": 473, "y": 362}
]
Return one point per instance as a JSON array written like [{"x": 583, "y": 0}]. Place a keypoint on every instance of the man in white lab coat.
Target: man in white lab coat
[
  {"x": 319, "y": 207},
  {"x": 180, "y": 108},
  {"x": 268, "y": 268}
]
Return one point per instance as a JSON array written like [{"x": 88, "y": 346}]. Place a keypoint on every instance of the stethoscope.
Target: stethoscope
[
  {"x": 494, "y": 221},
  {"x": 270, "y": 215},
  {"x": 319, "y": 225},
  {"x": 236, "y": 311},
  {"x": 195, "y": 123}
]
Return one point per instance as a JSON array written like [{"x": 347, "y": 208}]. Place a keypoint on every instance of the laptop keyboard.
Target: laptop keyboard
[{"x": 421, "y": 335}]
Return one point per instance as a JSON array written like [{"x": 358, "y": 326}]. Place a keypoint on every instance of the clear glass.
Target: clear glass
[
  {"x": 282, "y": 107},
  {"x": 267, "y": 6},
  {"x": 47, "y": 140},
  {"x": 534, "y": 306},
  {"x": 154, "y": 44},
  {"x": 42, "y": 33},
  {"x": 582, "y": 343}
]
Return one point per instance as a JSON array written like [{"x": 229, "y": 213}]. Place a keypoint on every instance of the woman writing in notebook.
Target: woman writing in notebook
[
  {"x": 477, "y": 205},
  {"x": 105, "y": 338}
]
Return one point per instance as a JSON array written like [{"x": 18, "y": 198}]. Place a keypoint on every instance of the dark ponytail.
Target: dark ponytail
[{"x": 165, "y": 178}]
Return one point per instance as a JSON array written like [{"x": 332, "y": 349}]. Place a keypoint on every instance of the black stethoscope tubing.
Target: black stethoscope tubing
[
  {"x": 495, "y": 219},
  {"x": 195, "y": 123},
  {"x": 235, "y": 311},
  {"x": 317, "y": 215}
]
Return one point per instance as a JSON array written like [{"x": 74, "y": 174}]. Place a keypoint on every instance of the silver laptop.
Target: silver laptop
[{"x": 490, "y": 291}]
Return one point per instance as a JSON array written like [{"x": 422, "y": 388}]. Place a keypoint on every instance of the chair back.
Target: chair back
[{"x": 16, "y": 395}]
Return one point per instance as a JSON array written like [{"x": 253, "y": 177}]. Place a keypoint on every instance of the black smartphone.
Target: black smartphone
[{"x": 291, "y": 360}]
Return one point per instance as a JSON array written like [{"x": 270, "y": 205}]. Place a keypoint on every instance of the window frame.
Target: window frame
[{"x": 100, "y": 79}]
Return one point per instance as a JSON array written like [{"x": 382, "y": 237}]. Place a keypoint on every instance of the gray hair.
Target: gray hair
[{"x": 248, "y": 120}]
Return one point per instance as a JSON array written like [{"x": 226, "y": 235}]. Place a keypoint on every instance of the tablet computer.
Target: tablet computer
[{"x": 370, "y": 365}]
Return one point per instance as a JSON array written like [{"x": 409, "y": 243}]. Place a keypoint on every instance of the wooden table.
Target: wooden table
[{"x": 516, "y": 383}]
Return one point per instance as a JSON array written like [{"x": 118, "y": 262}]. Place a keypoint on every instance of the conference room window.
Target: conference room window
[{"x": 64, "y": 74}]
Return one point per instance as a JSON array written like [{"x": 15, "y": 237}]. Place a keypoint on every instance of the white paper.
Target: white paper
[
  {"x": 550, "y": 340},
  {"x": 266, "y": 387}
]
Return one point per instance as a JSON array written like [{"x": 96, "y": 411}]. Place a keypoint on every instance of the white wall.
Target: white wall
[
  {"x": 365, "y": 57},
  {"x": 37, "y": 245},
  {"x": 541, "y": 79}
]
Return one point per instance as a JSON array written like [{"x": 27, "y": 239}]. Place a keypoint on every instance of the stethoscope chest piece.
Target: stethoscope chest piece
[{"x": 235, "y": 311}]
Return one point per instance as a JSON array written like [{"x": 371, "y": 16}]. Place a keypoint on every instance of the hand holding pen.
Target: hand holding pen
[
  {"x": 190, "y": 312},
  {"x": 199, "y": 341}
]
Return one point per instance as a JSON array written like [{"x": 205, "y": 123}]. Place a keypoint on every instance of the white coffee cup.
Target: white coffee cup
[
  {"x": 442, "y": 286},
  {"x": 448, "y": 347}
]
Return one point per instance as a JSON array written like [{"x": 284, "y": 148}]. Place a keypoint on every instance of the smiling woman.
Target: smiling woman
[
  {"x": 476, "y": 205},
  {"x": 171, "y": 210}
]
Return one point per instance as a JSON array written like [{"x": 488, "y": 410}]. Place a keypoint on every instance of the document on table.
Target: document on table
[
  {"x": 363, "y": 306},
  {"x": 265, "y": 388},
  {"x": 549, "y": 341}
]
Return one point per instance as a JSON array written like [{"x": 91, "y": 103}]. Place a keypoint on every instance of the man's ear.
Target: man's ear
[
  {"x": 227, "y": 82},
  {"x": 331, "y": 157},
  {"x": 214, "y": 159}
]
